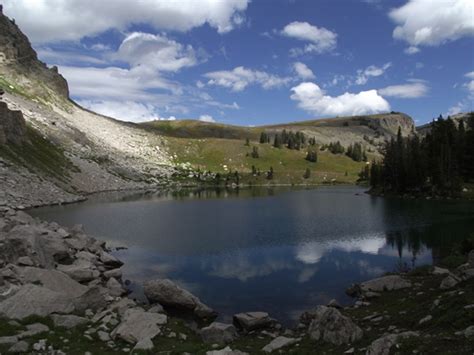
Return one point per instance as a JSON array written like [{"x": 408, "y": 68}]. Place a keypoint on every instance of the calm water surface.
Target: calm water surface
[{"x": 277, "y": 250}]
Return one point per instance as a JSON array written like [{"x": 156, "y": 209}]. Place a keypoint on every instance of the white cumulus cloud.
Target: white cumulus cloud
[
  {"x": 320, "y": 39},
  {"x": 370, "y": 71},
  {"x": 240, "y": 77},
  {"x": 405, "y": 91},
  {"x": 303, "y": 71},
  {"x": 412, "y": 50},
  {"x": 156, "y": 51},
  {"x": 207, "y": 118},
  {"x": 131, "y": 111},
  {"x": 312, "y": 98},
  {"x": 470, "y": 84},
  {"x": 56, "y": 20},
  {"x": 432, "y": 23}
]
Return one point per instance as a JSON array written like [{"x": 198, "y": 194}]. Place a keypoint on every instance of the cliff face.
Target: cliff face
[
  {"x": 19, "y": 64},
  {"x": 12, "y": 126}
]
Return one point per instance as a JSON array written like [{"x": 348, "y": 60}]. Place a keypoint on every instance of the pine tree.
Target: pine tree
[
  {"x": 307, "y": 174},
  {"x": 255, "y": 154},
  {"x": 312, "y": 156},
  {"x": 277, "y": 141}
]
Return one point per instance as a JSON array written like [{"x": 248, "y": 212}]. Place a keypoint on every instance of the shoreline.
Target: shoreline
[{"x": 85, "y": 196}]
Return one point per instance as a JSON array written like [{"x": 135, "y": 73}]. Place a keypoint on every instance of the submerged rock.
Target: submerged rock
[
  {"x": 167, "y": 293},
  {"x": 328, "y": 324}
]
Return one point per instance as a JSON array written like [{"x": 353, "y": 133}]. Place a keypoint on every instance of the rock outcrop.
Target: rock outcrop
[
  {"x": 18, "y": 58},
  {"x": 168, "y": 294},
  {"x": 329, "y": 325},
  {"x": 249, "y": 321},
  {"x": 12, "y": 126}
]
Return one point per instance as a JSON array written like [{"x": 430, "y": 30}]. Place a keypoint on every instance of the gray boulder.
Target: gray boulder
[
  {"x": 253, "y": 320},
  {"x": 81, "y": 270},
  {"x": 36, "y": 300},
  {"x": 19, "y": 348},
  {"x": 68, "y": 321},
  {"x": 144, "y": 345},
  {"x": 115, "y": 288},
  {"x": 167, "y": 293},
  {"x": 385, "y": 283},
  {"x": 218, "y": 333},
  {"x": 33, "y": 329},
  {"x": 53, "y": 280},
  {"x": 279, "y": 343},
  {"x": 8, "y": 340},
  {"x": 138, "y": 325},
  {"x": 382, "y": 345},
  {"x": 468, "y": 332},
  {"x": 328, "y": 324},
  {"x": 226, "y": 351},
  {"x": 471, "y": 259},
  {"x": 110, "y": 261},
  {"x": 449, "y": 282},
  {"x": 94, "y": 298}
]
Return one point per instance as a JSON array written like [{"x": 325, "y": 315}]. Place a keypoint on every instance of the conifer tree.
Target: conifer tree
[{"x": 307, "y": 173}]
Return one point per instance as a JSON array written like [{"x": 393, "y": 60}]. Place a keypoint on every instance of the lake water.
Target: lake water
[{"x": 278, "y": 250}]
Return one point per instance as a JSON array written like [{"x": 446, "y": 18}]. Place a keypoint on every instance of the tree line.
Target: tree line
[
  {"x": 288, "y": 139},
  {"x": 437, "y": 163}
]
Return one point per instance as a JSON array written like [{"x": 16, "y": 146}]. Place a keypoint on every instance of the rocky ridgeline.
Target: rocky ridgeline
[
  {"x": 71, "y": 279},
  {"x": 19, "y": 59}
]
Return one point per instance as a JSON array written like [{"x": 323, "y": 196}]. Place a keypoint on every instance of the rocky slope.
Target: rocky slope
[{"x": 62, "y": 150}]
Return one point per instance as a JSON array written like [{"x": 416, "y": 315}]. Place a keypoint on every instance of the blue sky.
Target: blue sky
[{"x": 257, "y": 62}]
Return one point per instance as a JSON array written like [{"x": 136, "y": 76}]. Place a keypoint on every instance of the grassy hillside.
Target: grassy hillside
[
  {"x": 39, "y": 155},
  {"x": 224, "y": 155},
  {"x": 199, "y": 129}
]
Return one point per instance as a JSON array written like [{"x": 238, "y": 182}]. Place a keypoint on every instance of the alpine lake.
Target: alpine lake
[{"x": 278, "y": 250}]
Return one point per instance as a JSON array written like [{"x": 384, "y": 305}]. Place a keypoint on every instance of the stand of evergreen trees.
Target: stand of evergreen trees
[
  {"x": 356, "y": 152},
  {"x": 438, "y": 163},
  {"x": 289, "y": 139}
]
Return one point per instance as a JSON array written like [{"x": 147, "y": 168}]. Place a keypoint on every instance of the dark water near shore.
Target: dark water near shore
[{"x": 278, "y": 250}]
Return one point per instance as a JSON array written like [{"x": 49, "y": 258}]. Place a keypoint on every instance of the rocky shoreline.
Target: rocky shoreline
[{"x": 62, "y": 290}]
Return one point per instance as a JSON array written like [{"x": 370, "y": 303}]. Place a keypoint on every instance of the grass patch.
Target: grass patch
[
  {"x": 39, "y": 155},
  {"x": 223, "y": 155}
]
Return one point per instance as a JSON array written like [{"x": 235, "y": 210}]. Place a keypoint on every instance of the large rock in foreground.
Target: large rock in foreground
[
  {"x": 168, "y": 294},
  {"x": 33, "y": 300},
  {"x": 139, "y": 326},
  {"x": 328, "y": 324}
]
